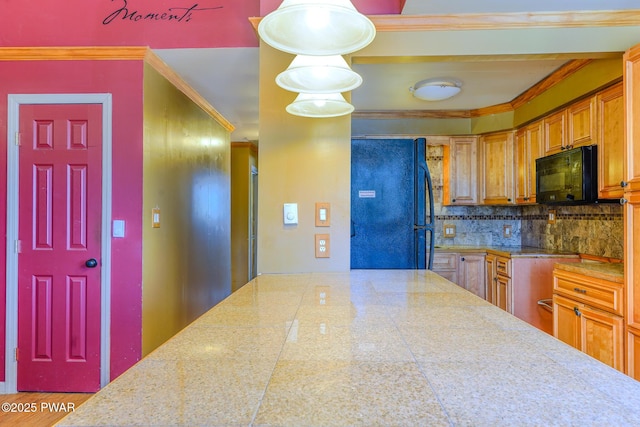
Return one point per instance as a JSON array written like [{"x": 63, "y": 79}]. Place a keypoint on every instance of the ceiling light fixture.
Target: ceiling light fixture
[
  {"x": 436, "y": 89},
  {"x": 313, "y": 27},
  {"x": 319, "y": 105},
  {"x": 319, "y": 74}
]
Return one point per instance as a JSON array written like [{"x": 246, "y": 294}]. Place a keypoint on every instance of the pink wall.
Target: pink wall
[
  {"x": 155, "y": 23},
  {"x": 123, "y": 79}
]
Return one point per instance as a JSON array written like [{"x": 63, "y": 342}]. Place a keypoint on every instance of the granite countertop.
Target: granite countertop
[
  {"x": 509, "y": 251},
  {"x": 613, "y": 272},
  {"x": 362, "y": 348}
]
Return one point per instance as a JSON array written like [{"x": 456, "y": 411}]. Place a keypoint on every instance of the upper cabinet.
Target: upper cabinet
[
  {"x": 610, "y": 131},
  {"x": 581, "y": 123},
  {"x": 528, "y": 147},
  {"x": 571, "y": 127},
  {"x": 555, "y": 132},
  {"x": 496, "y": 162},
  {"x": 463, "y": 171}
]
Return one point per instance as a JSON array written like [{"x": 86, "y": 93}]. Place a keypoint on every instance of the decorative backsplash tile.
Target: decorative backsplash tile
[{"x": 590, "y": 229}]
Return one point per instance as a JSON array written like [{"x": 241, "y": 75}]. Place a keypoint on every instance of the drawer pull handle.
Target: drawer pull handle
[
  {"x": 546, "y": 304},
  {"x": 577, "y": 312},
  {"x": 582, "y": 291}
]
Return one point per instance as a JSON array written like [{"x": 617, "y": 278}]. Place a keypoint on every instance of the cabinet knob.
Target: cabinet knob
[
  {"x": 462, "y": 259},
  {"x": 623, "y": 184},
  {"x": 577, "y": 312},
  {"x": 623, "y": 201},
  {"x": 453, "y": 200}
]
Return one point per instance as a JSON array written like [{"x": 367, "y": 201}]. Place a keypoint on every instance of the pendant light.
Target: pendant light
[
  {"x": 319, "y": 74},
  {"x": 314, "y": 27},
  {"x": 319, "y": 105}
]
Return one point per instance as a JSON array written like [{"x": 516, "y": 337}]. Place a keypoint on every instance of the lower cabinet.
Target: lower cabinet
[
  {"x": 587, "y": 315},
  {"x": 464, "y": 269},
  {"x": 498, "y": 281},
  {"x": 595, "y": 332}
]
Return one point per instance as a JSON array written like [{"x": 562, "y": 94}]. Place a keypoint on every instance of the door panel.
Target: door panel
[
  {"x": 60, "y": 229},
  {"x": 383, "y": 204}
]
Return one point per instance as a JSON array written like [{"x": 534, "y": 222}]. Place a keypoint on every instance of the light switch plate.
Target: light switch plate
[
  {"x": 118, "y": 228},
  {"x": 323, "y": 214},
  {"x": 290, "y": 213}
]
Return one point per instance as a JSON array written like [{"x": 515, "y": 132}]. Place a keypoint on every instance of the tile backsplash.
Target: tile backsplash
[{"x": 595, "y": 229}]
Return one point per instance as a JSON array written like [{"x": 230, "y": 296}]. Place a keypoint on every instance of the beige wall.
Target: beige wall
[
  {"x": 186, "y": 261},
  {"x": 302, "y": 161}
]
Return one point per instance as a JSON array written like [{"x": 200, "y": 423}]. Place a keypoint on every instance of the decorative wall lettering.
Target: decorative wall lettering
[{"x": 175, "y": 14}]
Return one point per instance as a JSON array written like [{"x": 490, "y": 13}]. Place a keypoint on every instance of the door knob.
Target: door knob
[{"x": 91, "y": 263}]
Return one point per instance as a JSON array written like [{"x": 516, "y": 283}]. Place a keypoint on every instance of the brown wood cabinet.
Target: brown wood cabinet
[
  {"x": 499, "y": 284},
  {"x": 471, "y": 273},
  {"x": 496, "y": 158},
  {"x": 464, "y": 269},
  {"x": 463, "y": 171},
  {"x": 631, "y": 79},
  {"x": 528, "y": 149},
  {"x": 581, "y": 123},
  {"x": 588, "y": 315},
  {"x": 610, "y": 124},
  {"x": 594, "y": 332},
  {"x": 555, "y": 132}
]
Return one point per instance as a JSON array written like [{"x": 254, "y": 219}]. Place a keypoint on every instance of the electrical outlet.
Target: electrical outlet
[
  {"x": 322, "y": 246},
  {"x": 449, "y": 230},
  {"x": 507, "y": 231}
]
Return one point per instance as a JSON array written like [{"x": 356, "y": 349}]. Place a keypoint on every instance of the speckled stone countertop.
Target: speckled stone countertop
[
  {"x": 362, "y": 348},
  {"x": 614, "y": 272},
  {"x": 509, "y": 251}
]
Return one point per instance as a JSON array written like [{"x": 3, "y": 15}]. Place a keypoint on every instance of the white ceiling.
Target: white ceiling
[{"x": 495, "y": 66}]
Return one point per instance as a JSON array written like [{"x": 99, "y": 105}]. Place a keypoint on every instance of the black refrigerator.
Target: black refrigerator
[{"x": 392, "y": 218}]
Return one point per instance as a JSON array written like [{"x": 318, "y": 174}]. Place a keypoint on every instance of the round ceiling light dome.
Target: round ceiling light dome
[
  {"x": 319, "y": 105},
  {"x": 319, "y": 74},
  {"x": 310, "y": 27},
  {"x": 437, "y": 89}
]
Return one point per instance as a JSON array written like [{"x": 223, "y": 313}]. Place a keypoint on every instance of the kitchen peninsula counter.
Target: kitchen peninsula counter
[{"x": 362, "y": 348}]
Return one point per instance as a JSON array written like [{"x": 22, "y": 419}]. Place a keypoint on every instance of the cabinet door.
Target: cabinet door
[
  {"x": 581, "y": 123},
  {"x": 463, "y": 173},
  {"x": 566, "y": 324},
  {"x": 497, "y": 168},
  {"x": 610, "y": 120},
  {"x": 490, "y": 280},
  {"x": 633, "y": 353},
  {"x": 503, "y": 293},
  {"x": 631, "y": 78},
  {"x": 602, "y": 336},
  {"x": 632, "y": 257},
  {"x": 555, "y": 131},
  {"x": 472, "y": 273},
  {"x": 528, "y": 149}
]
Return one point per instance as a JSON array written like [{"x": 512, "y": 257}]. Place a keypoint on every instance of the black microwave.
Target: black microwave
[{"x": 568, "y": 177}]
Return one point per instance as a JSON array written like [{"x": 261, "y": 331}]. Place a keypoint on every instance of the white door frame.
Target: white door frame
[{"x": 13, "y": 126}]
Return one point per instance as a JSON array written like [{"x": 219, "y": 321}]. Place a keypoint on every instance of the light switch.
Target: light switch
[
  {"x": 323, "y": 214},
  {"x": 155, "y": 218},
  {"x": 290, "y": 213},
  {"x": 449, "y": 230},
  {"x": 118, "y": 228}
]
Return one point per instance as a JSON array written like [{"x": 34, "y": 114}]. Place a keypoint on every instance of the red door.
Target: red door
[{"x": 60, "y": 236}]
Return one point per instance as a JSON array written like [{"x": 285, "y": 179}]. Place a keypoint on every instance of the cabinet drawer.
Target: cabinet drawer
[
  {"x": 503, "y": 266},
  {"x": 592, "y": 291},
  {"x": 445, "y": 261}
]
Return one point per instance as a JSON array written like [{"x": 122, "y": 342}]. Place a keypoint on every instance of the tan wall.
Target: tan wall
[
  {"x": 243, "y": 156},
  {"x": 302, "y": 161},
  {"x": 186, "y": 261}
]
